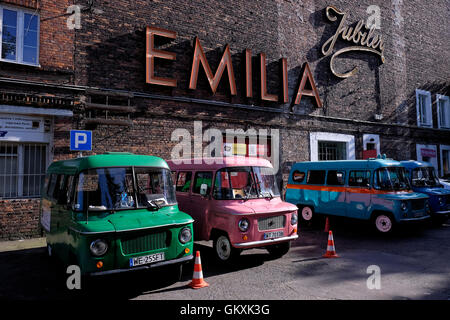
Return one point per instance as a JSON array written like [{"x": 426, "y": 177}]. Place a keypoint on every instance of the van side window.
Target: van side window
[
  {"x": 184, "y": 181},
  {"x": 316, "y": 177},
  {"x": 202, "y": 178},
  {"x": 298, "y": 176},
  {"x": 359, "y": 178},
  {"x": 174, "y": 177},
  {"x": 335, "y": 178},
  {"x": 46, "y": 183},
  {"x": 61, "y": 190},
  {"x": 69, "y": 189},
  {"x": 52, "y": 185}
]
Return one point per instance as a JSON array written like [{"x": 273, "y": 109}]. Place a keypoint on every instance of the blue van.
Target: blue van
[
  {"x": 423, "y": 179},
  {"x": 377, "y": 190}
]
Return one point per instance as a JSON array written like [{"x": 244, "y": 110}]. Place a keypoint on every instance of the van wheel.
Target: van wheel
[
  {"x": 49, "y": 251},
  {"x": 279, "y": 250},
  {"x": 384, "y": 223},
  {"x": 223, "y": 249},
  {"x": 307, "y": 214}
]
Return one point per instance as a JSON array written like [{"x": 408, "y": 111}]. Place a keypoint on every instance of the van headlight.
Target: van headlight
[
  {"x": 294, "y": 218},
  {"x": 243, "y": 224},
  {"x": 403, "y": 206},
  {"x": 185, "y": 235},
  {"x": 98, "y": 247}
]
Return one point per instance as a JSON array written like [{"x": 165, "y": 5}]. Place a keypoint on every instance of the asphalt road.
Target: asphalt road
[{"x": 413, "y": 264}]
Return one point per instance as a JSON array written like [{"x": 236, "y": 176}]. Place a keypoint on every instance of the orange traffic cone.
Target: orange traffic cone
[
  {"x": 327, "y": 225},
  {"x": 197, "y": 279},
  {"x": 331, "y": 251}
]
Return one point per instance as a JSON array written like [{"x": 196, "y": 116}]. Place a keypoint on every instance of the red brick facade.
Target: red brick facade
[{"x": 109, "y": 52}]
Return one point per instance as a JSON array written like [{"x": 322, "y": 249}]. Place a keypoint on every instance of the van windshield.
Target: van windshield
[
  {"x": 107, "y": 189},
  {"x": 424, "y": 177},
  {"x": 245, "y": 183},
  {"x": 392, "y": 178}
]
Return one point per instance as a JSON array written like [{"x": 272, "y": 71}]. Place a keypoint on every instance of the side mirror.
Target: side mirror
[{"x": 203, "y": 189}]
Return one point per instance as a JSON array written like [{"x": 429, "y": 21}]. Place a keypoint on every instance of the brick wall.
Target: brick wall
[
  {"x": 19, "y": 219},
  {"x": 109, "y": 52}
]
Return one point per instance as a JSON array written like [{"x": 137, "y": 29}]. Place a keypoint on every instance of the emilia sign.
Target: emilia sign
[
  {"x": 199, "y": 60},
  {"x": 360, "y": 37}
]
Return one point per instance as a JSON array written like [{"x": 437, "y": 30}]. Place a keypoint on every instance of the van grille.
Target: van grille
[
  {"x": 271, "y": 223},
  {"x": 417, "y": 204},
  {"x": 145, "y": 242}
]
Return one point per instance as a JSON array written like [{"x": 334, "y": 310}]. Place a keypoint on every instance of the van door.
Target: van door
[
  {"x": 200, "y": 202},
  {"x": 358, "y": 194},
  {"x": 335, "y": 193},
  {"x": 182, "y": 189}
]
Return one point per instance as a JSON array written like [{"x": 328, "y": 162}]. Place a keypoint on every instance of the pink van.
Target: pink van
[{"x": 236, "y": 203}]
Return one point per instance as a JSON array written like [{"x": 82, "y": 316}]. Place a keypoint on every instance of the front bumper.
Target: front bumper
[
  {"x": 261, "y": 243},
  {"x": 412, "y": 220},
  {"x": 145, "y": 267},
  {"x": 442, "y": 213}
]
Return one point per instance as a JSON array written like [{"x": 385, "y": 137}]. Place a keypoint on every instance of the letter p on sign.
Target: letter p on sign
[{"x": 80, "y": 140}]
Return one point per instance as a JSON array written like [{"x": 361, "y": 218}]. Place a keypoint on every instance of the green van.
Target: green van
[{"x": 114, "y": 212}]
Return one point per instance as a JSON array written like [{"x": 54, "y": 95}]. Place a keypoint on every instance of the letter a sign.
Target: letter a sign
[{"x": 80, "y": 140}]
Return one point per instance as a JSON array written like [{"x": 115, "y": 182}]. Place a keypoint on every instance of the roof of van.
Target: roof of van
[
  {"x": 218, "y": 163},
  {"x": 108, "y": 159},
  {"x": 370, "y": 163},
  {"x": 410, "y": 164}
]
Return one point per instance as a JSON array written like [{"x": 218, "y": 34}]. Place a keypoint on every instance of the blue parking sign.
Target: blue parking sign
[{"x": 80, "y": 140}]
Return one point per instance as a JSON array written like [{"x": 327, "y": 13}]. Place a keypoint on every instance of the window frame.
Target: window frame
[
  {"x": 20, "y": 34},
  {"x": 191, "y": 181},
  {"x": 21, "y": 175},
  {"x": 194, "y": 182},
  {"x": 428, "y": 106},
  {"x": 369, "y": 178},
  {"x": 308, "y": 175},
  {"x": 344, "y": 176},
  {"x": 445, "y": 98}
]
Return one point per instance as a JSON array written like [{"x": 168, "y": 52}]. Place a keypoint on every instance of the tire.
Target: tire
[
  {"x": 223, "y": 250},
  {"x": 49, "y": 252},
  {"x": 279, "y": 250},
  {"x": 307, "y": 214},
  {"x": 178, "y": 272},
  {"x": 384, "y": 223},
  {"x": 439, "y": 220}
]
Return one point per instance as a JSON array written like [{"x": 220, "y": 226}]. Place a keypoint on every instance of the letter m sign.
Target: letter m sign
[{"x": 80, "y": 140}]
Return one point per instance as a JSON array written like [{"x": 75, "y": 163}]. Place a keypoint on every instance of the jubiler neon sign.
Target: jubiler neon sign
[
  {"x": 363, "y": 39},
  {"x": 199, "y": 59}
]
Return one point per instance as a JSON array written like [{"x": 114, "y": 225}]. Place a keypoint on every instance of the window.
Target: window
[
  {"x": 316, "y": 177},
  {"x": 22, "y": 169},
  {"x": 184, "y": 181},
  {"x": 423, "y": 105},
  {"x": 298, "y": 176},
  {"x": 359, "y": 179},
  {"x": 445, "y": 161},
  {"x": 443, "y": 111},
  {"x": 332, "y": 150},
  {"x": 335, "y": 178},
  {"x": 19, "y": 31},
  {"x": 202, "y": 178}
]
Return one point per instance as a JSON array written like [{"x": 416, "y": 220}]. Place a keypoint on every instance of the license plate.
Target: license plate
[
  {"x": 419, "y": 214},
  {"x": 139, "y": 261},
  {"x": 273, "y": 235}
]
